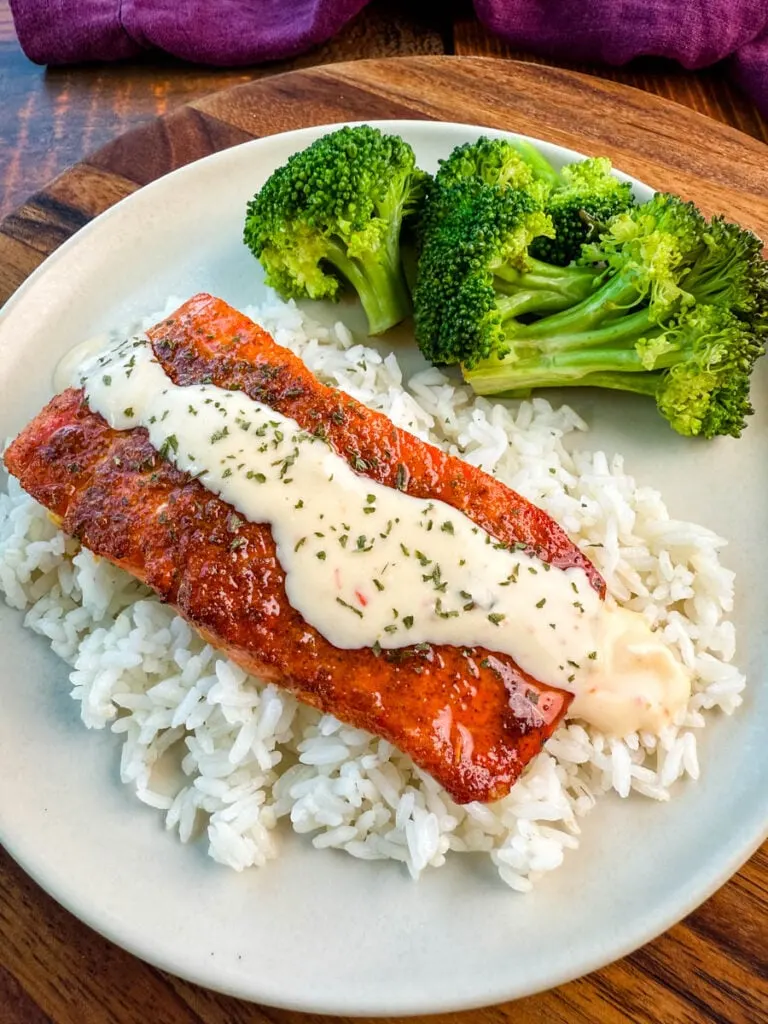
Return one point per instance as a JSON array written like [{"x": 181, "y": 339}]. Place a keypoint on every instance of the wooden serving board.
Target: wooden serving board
[{"x": 713, "y": 967}]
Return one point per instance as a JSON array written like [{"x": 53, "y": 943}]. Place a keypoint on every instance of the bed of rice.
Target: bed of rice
[{"x": 251, "y": 756}]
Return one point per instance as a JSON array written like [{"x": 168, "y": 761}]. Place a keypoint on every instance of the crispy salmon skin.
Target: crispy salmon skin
[{"x": 468, "y": 716}]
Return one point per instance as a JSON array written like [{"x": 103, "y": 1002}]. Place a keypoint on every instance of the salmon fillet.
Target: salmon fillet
[{"x": 468, "y": 716}]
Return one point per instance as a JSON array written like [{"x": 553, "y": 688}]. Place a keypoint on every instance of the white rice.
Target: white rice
[{"x": 251, "y": 755}]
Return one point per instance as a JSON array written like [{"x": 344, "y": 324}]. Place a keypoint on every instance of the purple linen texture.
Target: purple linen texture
[{"x": 235, "y": 32}]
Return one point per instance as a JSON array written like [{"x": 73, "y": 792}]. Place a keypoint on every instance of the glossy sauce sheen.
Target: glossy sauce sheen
[{"x": 469, "y": 716}]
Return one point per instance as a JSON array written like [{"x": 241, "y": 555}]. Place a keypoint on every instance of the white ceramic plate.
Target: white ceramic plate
[{"x": 318, "y": 930}]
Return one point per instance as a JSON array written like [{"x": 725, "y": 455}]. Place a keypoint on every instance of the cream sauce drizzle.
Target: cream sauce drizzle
[{"x": 368, "y": 565}]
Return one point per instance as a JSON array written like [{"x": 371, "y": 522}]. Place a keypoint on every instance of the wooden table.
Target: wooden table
[{"x": 711, "y": 967}]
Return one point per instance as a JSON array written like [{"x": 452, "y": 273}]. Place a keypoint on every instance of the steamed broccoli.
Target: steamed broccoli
[
  {"x": 697, "y": 369},
  {"x": 335, "y": 212},
  {"x": 678, "y": 316},
  {"x": 588, "y": 195},
  {"x": 475, "y": 271},
  {"x": 496, "y": 162},
  {"x": 578, "y": 198},
  {"x": 730, "y": 271},
  {"x": 471, "y": 230},
  {"x": 505, "y": 284}
]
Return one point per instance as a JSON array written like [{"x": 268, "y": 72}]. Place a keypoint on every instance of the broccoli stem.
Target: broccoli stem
[
  {"x": 579, "y": 357},
  {"x": 558, "y": 369},
  {"x": 541, "y": 288},
  {"x": 639, "y": 383},
  {"x": 378, "y": 280},
  {"x": 610, "y": 301},
  {"x": 625, "y": 329},
  {"x": 533, "y": 300}
]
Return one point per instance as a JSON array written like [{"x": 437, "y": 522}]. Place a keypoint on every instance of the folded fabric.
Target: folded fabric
[{"x": 234, "y": 32}]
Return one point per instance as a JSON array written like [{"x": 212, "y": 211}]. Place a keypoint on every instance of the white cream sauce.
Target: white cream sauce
[
  {"x": 369, "y": 565},
  {"x": 68, "y": 367}
]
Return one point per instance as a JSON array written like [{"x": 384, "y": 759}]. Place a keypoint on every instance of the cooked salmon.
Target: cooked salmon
[{"x": 469, "y": 716}]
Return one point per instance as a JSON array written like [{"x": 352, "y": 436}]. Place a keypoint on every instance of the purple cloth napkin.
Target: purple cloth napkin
[{"x": 232, "y": 32}]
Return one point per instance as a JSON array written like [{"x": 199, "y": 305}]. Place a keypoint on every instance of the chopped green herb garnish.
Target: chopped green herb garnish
[
  {"x": 170, "y": 444},
  {"x": 351, "y": 607},
  {"x": 452, "y": 614}
]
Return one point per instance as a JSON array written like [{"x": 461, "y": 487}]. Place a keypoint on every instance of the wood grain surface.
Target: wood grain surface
[
  {"x": 51, "y": 118},
  {"x": 713, "y": 967}
]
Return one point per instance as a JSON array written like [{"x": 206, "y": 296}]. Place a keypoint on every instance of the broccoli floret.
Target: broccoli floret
[
  {"x": 679, "y": 316},
  {"x": 494, "y": 161},
  {"x": 587, "y": 197},
  {"x": 730, "y": 271},
  {"x": 579, "y": 198},
  {"x": 706, "y": 390},
  {"x": 475, "y": 271},
  {"x": 334, "y": 212},
  {"x": 526, "y": 285},
  {"x": 471, "y": 230}
]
